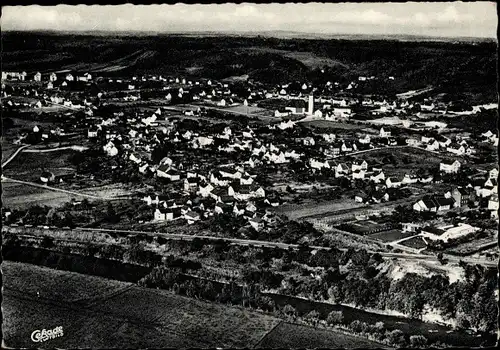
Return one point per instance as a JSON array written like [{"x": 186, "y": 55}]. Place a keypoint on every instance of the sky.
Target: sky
[{"x": 445, "y": 19}]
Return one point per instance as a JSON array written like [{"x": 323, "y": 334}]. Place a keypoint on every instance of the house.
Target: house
[
  {"x": 38, "y": 77},
  {"x": 341, "y": 170},
  {"x": 457, "y": 149},
  {"x": 448, "y": 232},
  {"x": 70, "y": 77},
  {"x": 47, "y": 177},
  {"x": 443, "y": 203},
  {"x": 384, "y": 133},
  {"x": 493, "y": 205},
  {"x": 410, "y": 227},
  {"x": 282, "y": 112},
  {"x": 380, "y": 196},
  {"x": 493, "y": 173},
  {"x": 165, "y": 171},
  {"x": 432, "y": 145},
  {"x": 92, "y": 132},
  {"x": 427, "y": 178},
  {"x": 449, "y": 168},
  {"x": 361, "y": 197},
  {"x": 257, "y": 223},
  {"x": 365, "y": 140},
  {"x": 410, "y": 179},
  {"x": 205, "y": 190},
  {"x": 191, "y": 217},
  {"x": 378, "y": 177},
  {"x": 358, "y": 174},
  {"x": 357, "y": 165},
  {"x": 161, "y": 214},
  {"x": 296, "y": 106},
  {"x": 425, "y": 204},
  {"x": 191, "y": 183},
  {"x": 392, "y": 182},
  {"x": 463, "y": 195}
]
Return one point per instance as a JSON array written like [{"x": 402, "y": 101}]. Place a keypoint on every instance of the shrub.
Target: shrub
[
  {"x": 312, "y": 316},
  {"x": 395, "y": 337},
  {"x": 356, "y": 326},
  {"x": 418, "y": 341},
  {"x": 335, "y": 317}
]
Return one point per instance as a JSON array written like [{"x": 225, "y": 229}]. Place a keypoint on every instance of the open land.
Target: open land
[{"x": 96, "y": 312}]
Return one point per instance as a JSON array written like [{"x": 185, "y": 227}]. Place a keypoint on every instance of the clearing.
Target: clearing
[{"x": 288, "y": 335}]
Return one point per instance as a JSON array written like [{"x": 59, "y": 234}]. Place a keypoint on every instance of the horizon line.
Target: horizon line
[{"x": 245, "y": 32}]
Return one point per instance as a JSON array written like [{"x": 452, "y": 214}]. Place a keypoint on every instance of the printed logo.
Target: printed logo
[{"x": 39, "y": 336}]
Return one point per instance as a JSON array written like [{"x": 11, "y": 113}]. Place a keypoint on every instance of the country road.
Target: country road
[
  {"x": 249, "y": 242},
  {"x": 73, "y": 147},
  {"x": 14, "y": 155},
  {"x": 7, "y": 179}
]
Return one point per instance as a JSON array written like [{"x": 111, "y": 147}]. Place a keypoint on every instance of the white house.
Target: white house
[
  {"x": 450, "y": 167},
  {"x": 384, "y": 133},
  {"x": 378, "y": 177},
  {"x": 161, "y": 214},
  {"x": 392, "y": 182},
  {"x": 38, "y": 77},
  {"x": 359, "y": 166},
  {"x": 52, "y": 77},
  {"x": 257, "y": 223}
]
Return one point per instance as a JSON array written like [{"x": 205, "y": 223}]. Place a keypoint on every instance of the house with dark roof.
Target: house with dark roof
[
  {"x": 296, "y": 106},
  {"x": 463, "y": 195}
]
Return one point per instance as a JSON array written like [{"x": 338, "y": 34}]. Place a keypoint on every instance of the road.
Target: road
[
  {"x": 249, "y": 242},
  {"x": 413, "y": 93},
  {"x": 14, "y": 155},
  {"x": 34, "y": 184},
  {"x": 73, "y": 147}
]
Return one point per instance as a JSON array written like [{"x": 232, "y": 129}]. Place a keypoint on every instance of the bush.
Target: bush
[
  {"x": 418, "y": 341},
  {"x": 395, "y": 337},
  {"x": 335, "y": 317},
  {"x": 356, "y": 326},
  {"x": 312, "y": 316}
]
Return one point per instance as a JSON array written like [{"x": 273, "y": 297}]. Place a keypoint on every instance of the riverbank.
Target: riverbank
[{"x": 132, "y": 273}]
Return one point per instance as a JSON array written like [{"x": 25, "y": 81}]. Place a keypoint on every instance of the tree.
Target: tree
[
  {"x": 289, "y": 311},
  {"x": 111, "y": 214},
  {"x": 395, "y": 337},
  {"x": 313, "y": 317},
  {"x": 356, "y": 326},
  {"x": 47, "y": 242},
  {"x": 335, "y": 317},
  {"x": 418, "y": 341}
]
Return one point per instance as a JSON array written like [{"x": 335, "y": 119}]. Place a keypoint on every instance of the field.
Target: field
[
  {"x": 328, "y": 124},
  {"x": 15, "y": 195},
  {"x": 28, "y": 166},
  {"x": 308, "y": 59},
  {"x": 63, "y": 286},
  {"x": 288, "y": 335},
  {"x": 294, "y": 212},
  {"x": 391, "y": 235},
  {"x": 415, "y": 242},
  {"x": 136, "y": 318},
  {"x": 8, "y": 149}
]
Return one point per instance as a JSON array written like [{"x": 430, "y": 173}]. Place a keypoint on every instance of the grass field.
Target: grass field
[
  {"x": 328, "y": 124},
  {"x": 288, "y": 335},
  {"x": 309, "y": 59},
  {"x": 391, "y": 235},
  {"x": 135, "y": 318},
  {"x": 28, "y": 166},
  {"x": 294, "y": 212},
  {"x": 16, "y": 195},
  {"x": 415, "y": 242},
  {"x": 63, "y": 286}
]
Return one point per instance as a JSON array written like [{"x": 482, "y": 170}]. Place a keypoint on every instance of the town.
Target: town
[{"x": 318, "y": 190}]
